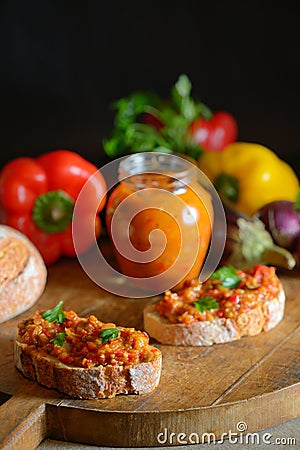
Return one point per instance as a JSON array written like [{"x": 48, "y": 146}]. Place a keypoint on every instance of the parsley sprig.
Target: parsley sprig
[
  {"x": 56, "y": 314},
  {"x": 206, "y": 303},
  {"x": 228, "y": 276},
  {"x": 107, "y": 334},
  {"x": 59, "y": 339},
  {"x": 132, "y": 135}
]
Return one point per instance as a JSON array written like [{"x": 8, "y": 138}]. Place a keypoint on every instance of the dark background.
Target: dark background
[{"x": 63, "y": 63}]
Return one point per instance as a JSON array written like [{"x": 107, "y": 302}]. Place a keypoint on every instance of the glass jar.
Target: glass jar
[{"x": 159, "y": 220}]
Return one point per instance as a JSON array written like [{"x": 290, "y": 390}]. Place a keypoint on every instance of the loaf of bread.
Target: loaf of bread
[
  {"x": 211, "y": 313},
  {"x": 84, "y": 357},
  {"x": 23, "y": 274}
]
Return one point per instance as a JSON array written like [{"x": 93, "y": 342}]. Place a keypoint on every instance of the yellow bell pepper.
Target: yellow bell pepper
[{"x": 249, "y": 175}]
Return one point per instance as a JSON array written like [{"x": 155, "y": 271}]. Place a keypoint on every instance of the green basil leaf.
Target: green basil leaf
[
  {"x": 107, "y": 334},
  {"x": 56, "y": 314},
  {"x": 140, "y": 137},
  {"x": 228, "y": 277},
  {"x": 59, "y": 339},
  {"x": 129, "y": 108},
  {"x": 206, "y": 303}
]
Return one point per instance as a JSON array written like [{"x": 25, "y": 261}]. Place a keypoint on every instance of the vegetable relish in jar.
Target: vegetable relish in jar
[{"x": 159, "y": 219}]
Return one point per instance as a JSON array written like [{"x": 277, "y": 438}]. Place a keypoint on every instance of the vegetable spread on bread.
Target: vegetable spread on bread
[
  {"x": 230, "y": 304},
  {"x": 84, "y": 357}
]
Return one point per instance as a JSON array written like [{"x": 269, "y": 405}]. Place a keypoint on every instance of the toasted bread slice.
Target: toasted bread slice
[
  {"x": 97, "y": 382},
  {"x": 217, "y": 331},
  {"x": 215, "y": 326},
  {"x": 82, "y": 375}
]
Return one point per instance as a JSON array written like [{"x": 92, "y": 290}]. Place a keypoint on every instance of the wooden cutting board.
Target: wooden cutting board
[{"x": 243, "y": 386}]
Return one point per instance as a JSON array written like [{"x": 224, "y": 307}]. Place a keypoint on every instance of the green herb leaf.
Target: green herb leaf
[
  {"x": 206, "y": 303},
  {"x": 140, "y": 137},
  {"x": 204, "y": 111},
  {"x": 56, "y": 314},
  {"x": 182, "y": 99},
  {"x": 188, "y": 107},
  {"x": 115, "y": 146},
  {"x": 132, "y": 135},
  {"x": 194, "y": 150},
  {"x": 59, "y": 339},
  {"x": 182, "y": 87},
  {"x": 228, "y": 277},
  {"x": 129, "y": 108},
  {"x": 107, "y": 334}
]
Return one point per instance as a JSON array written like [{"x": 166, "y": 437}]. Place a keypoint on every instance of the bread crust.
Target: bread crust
[
  {"x": 26, "y": 274},
  {"x": 218, "y": 331},
  {"x": 97, "y": 382}
]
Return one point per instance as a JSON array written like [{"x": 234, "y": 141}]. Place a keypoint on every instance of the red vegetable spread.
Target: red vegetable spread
[
  {"x": 255, "y": 286},
  {"x": 182, "y": 217},
  {"x": 86, "y": 342}
]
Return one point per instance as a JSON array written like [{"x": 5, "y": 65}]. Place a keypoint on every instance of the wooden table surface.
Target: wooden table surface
[
  {"x": 252, "y": 383},
  {"x": 284, "y": 436}
]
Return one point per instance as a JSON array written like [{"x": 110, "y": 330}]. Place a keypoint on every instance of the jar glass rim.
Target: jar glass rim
[{"x": 158, "y": 163}]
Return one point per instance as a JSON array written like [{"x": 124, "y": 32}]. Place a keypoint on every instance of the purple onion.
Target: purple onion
[{"x": 282, "y": 221}]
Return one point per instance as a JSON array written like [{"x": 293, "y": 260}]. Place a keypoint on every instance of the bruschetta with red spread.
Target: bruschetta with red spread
[
  {"x": 227, "y": 306},
  {"x": 84, "y": 357}
]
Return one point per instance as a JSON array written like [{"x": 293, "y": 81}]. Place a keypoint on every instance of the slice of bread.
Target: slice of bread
[
  {"x": 37, "y": 361},
  {"x": 266, "y": 314},
  {"x": 23, "y": 273}
]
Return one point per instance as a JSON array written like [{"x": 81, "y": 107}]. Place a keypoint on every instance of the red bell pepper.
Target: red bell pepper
[
  {"x": 216, "y": 133},
  {"x": 37, "y": 197}
]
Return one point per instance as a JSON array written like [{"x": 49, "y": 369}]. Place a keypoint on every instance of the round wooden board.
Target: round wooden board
[{"x": 247, "y": 385}]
